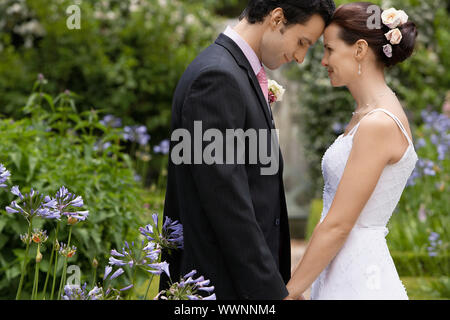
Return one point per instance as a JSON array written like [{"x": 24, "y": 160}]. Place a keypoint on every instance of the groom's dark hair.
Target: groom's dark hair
[{"x": 295, "y": 11}]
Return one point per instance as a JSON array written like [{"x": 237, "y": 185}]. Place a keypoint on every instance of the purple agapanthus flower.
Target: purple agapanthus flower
[
  {"x": 66, "y": 251},
  {"x": 170, "y": 237},
  {"x": 144, "y": 257},
  {"x": 188, "y": 289},
  {"x": 111, "y": 121},
  {"x": 117, "y": 273},
  {"x": 32, "y": 204},
  {"x": 99, "y": 146},
  {"x": 75, "y": 292},
  {"x": 136, "y": 134},
  {"x": 438, "y": 125},
  {"x": 163, "y": 147},
  {"x": 424, "y": 167},
  {"x": 108, "y": 270},
  {"x": 127, "y": 288},
  {"x": 435, "y": 244},
  {"x": 4, "y": 175},
  {"x": 338, "y": 127},
  {"x": 420, "y": 143},
  {"x": 68, "y": 204}
]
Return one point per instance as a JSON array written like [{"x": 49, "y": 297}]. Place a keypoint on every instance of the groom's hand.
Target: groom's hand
[{"x": 292, "y": 298}]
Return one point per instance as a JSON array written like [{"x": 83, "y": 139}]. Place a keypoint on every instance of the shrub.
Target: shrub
[
  {"x": 125, "y": 60},
  {"x": 53, "y": 146}
]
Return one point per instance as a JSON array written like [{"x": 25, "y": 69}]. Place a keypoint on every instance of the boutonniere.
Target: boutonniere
[{"x": 276, "y": 92}]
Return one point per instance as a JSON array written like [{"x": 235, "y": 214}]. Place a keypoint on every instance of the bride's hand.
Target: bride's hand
[{"x": 292, "y": 298}]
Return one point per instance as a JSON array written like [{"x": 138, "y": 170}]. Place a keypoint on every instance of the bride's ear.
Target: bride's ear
[{"x": 362, "y": 47}]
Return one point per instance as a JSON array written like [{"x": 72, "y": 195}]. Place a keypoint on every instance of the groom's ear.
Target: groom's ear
[
  {"x": 276, "y": 18},
  {"x": 361, "y": 47}
]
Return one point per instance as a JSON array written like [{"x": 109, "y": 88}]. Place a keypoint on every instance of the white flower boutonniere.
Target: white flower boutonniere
[{"x": 276, "y": 92}]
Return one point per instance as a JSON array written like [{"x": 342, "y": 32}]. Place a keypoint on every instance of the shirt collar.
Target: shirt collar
[{"x": 246, "y": 49}]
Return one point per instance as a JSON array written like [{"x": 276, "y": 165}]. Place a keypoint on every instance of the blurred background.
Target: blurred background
[{"x": 90, "y": 109}]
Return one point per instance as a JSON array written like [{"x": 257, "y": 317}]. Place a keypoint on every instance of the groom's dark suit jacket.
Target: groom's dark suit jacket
[{"x": 235, "y": 220}]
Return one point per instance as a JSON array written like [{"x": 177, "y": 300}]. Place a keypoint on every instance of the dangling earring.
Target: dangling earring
[{"x": 359, "y": 69}]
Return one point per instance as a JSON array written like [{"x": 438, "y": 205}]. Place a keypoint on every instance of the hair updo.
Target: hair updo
[{"x": 352, "y": 18}]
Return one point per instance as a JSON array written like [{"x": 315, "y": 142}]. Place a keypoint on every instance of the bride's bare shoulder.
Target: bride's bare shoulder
[
  {"x": 381, "y": 119},
  {"x": 377, "y": 122}
]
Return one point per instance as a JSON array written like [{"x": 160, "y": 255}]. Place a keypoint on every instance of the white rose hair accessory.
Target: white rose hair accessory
[
  {"x": 394, "y": 36},
  {"x": 393, "y": 18}
]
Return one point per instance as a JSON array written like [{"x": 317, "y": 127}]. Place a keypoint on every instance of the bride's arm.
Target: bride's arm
[{"x": 371, "y": 152}]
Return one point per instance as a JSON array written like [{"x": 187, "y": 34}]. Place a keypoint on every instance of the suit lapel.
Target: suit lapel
[{"x": 242, "y": 61}]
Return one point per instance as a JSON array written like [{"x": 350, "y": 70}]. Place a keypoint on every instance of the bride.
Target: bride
[{"x": 366, "y": 168}]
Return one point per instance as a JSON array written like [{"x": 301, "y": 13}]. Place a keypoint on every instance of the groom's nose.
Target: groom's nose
[
  {"x": 299, "y": 60},
  {"x": 323, "y": 62}
]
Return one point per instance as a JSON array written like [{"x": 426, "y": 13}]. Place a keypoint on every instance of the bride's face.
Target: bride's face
[{"x": 339, "y": 58}]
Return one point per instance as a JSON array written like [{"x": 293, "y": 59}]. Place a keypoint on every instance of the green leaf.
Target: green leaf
[
  {"x": 16, "y": 158},
  {"x": 32, "y": 163}
]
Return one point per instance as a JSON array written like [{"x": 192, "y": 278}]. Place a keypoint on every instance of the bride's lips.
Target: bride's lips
[{"x": 287, "y": 60}]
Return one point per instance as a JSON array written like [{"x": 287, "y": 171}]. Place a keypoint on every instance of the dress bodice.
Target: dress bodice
[{"x": 389, "y": 188}]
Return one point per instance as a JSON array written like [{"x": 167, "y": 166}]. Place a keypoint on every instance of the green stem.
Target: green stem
[
  {"x": 63, "y": 277},
  {"x": 94, "y": 277},
  {"x": 34, "y": 282},
  {"x": 133, "y": 290},
  {"x": 24, "y": 264},
  {"x": 51, "y": 261},
  {"x": 151, "y": 277},
  {"x": 36, "y": 277},
  {"x": 54, "y": 277},
  {"x": 148, "y": 287}
]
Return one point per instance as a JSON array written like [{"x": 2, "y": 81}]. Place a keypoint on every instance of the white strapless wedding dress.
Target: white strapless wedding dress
[{"x": 363, "y": 268}]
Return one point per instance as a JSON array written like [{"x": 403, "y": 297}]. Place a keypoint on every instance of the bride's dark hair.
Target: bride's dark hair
[{"x": 352, "y": 18}]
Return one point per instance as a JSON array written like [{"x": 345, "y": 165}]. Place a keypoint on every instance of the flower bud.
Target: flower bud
[
  {"x": 95, "y": 263},
  {"x": 72, "y": 221},
  {"x": 38, "y": 256}
]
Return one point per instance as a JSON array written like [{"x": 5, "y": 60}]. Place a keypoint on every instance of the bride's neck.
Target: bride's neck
[{"x": 367, "y": 88}]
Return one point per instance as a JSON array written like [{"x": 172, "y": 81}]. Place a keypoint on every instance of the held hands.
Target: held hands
[{"x": 292, "y": 298}]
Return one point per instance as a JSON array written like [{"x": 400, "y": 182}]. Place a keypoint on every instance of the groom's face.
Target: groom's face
[{"x": 281, "y": 44}]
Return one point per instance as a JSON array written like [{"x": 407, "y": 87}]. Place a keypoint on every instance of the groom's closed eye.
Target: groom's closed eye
[{"x": 304, "y": 41}]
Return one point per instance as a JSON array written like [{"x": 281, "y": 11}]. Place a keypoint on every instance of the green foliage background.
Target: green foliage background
[
  {"x": 124, "y": 59},
  {"x": 420, "y": 82}
]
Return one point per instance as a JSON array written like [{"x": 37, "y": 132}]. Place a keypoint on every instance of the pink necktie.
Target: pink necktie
[{"x": 262, "y": 79}]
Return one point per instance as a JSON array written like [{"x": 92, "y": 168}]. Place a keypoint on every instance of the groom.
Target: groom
[{"x": 235, "y": 221}]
